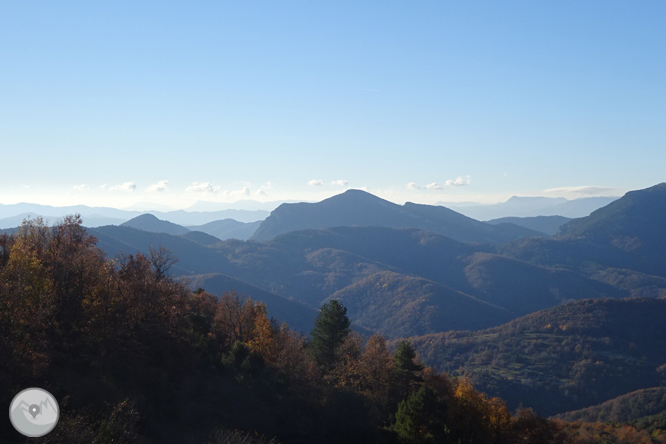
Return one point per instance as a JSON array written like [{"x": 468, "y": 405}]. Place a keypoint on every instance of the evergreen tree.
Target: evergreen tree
[
  {"x": 406, "y": 368},
  {"x": 421, "y": 418},
  {"x": 330, "y": 330}
]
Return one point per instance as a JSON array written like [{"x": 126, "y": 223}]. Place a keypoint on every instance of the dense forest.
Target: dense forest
[
  {"x": 135, "y": 356},
  {"x": 561, "y": 359}
]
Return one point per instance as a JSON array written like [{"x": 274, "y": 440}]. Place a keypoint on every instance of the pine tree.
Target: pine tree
[
  {"x": 329, "y": 332},
  {"x": 421, "y": 418},
  {"x": 406, "y": 368}
]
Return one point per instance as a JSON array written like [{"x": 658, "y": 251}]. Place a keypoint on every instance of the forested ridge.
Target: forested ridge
[
  {"x": 134, "y": 356},
  {"x": 561, "y": 359}
]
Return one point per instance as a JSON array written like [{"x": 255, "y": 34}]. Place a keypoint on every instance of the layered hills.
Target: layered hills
[
  {"x": 407, "y": 281},
  {"x": 437, "y": 283},
  {"x": 149, "y": 222},
  {"x": 545, "y": 224},
  {"x": 627, "y": 234},
  {"x": 359, "y": 208},
  {"x": 228, "y": 229},
  {"x": 542, "y": 322},
  {"x": 532, "y": 206},
  {"x": 218, "y": 229}
]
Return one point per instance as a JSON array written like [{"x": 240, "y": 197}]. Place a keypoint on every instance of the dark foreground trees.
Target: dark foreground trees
[
  {"x": 330, "y": 330},
  {"x": 133, "y": 356}
]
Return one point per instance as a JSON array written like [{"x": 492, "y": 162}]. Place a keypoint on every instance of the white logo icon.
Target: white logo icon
[{"x": 34, "y": 412}]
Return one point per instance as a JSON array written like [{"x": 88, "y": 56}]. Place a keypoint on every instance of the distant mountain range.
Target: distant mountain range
[
  {"x": 552, "y": 323},
  {"x": 407, "y": 281},
  {"x": 248, "y": 205},
  {"x": 531, "y": 207},
  {"x": 208, "y": 234},
  {"x": 359, "y": 208},
  {"x": 98, "y": 216},
  {"x": 627, "y": 234},
  {"x": 148, "y": 222},
  {"x": 228, "y": 229},
  {"x": 92, "y": 220},
  {"x": 545, "y": 224}
]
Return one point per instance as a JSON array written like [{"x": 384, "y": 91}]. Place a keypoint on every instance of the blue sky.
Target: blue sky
[{"x": 112, "y": 103}]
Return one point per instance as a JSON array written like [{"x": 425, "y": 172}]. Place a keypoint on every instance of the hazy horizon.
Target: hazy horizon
[{"x": 251, "y": 204}]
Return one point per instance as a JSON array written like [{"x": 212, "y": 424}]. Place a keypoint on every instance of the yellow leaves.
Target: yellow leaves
[
  {"x": 364, "y": 368},
  {"x": 263, "y": 339}
]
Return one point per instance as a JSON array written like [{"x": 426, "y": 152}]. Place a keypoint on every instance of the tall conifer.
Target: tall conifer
[{"x": 330, "y": 330}]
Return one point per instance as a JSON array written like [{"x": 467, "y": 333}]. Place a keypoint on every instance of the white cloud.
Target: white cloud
[
  {"x": 127, "y": 186},
  {"x": 204, "y": 187},
  {"x": 245, "y": 191},
  {"x": 82, "y": 187},
  {"x": 434, "y": 186},
  {"x": 262, "y": 191},
  {"x": 342, "y": 183},
  {"x": 586, "y": 191},
  {"x": 459, "y": 182},
  {"x": 159, "y": 186},
  {"x": 413, "y": 186},
  {"x": 316, "y": 183}
]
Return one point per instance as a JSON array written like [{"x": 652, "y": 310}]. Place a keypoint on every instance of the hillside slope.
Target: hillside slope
[
  {"x": 300, "y": 317},
  {"x": 626, "y": 234},
  {"x": 358, "y": 208},
  {"x": 625, "y": 408},
  {"x": 228, "y": 229},
  {"x": 431, "y": 270},
  {"x": 561, "y": 359},
  {"x": 397, "y": 305},
  {"x": 549, "y": 225},
  {"x": 148, "y": 222}
]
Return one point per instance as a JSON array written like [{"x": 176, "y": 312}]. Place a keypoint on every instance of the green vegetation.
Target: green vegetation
[{"x": 331, "y": 328}]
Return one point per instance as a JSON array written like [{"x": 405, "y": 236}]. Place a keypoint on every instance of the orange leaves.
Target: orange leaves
[
  {"x": 364, "y": 368},
  {"x": 263, "y": 337}
]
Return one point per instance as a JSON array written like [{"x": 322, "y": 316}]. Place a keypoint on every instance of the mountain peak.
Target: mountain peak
[
  {"x": 363, "y": 209},
  {"x": 149, "y": 222},
  {"x": 633, "y": 223}
]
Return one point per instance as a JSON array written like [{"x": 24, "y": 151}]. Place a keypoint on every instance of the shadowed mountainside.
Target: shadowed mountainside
[
  {"x": 560, "y": 359},
  {"x": 299, "y": 316},
  {"x": 358, "y": 208},
  {"x": 627, "y": 234},
  {"x": 148, "y": 222},
  {"x": 431, "y": 270},
  {"x": 549, "y": 225},
  {"x": 228, "y": 229},
  {"x": 625, "y": 408}
]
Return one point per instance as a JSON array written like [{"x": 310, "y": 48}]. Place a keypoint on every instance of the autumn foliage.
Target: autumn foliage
[{"x": 134, "y": 356}]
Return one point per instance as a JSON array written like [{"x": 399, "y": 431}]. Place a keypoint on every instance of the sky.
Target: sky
[{"x": 114, "y": 103}]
